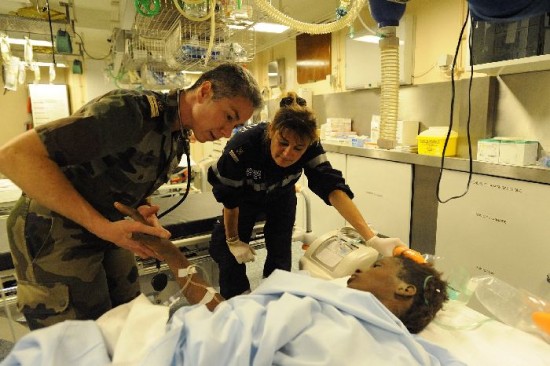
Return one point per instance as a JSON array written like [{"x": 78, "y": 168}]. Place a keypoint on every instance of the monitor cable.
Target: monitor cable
[{"x": 470, "y": 42}]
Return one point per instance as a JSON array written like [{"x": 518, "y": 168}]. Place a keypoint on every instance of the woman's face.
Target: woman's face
[
  {"x": 380, "y": 279},
  {"x": 286, "y": 147}
]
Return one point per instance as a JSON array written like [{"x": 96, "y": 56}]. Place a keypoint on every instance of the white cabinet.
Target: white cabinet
[
  {"x": 324, "y": 218},
  {"x": 500, "y": 227},
  {"x": 383, "y": 194}
]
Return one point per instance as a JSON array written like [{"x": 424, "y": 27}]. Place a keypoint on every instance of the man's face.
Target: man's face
[{"x": 214, "y": 119}]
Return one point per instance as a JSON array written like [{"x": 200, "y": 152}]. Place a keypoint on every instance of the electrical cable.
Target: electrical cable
[
  {"x": 51, "y": 30},
  {"x": 470, "y": 41},
  {"x": 425, "y": 72},
  {"x": 90, "y": 56},
  {"x": 372, "y": 31}
]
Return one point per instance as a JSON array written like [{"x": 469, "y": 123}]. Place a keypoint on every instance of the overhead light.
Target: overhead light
[
  {"x": 33, "y": 42},
  {"x": 312, "y": 63},
  {"x": 261, "y": 27},
  {"x": 269, "y": 27},
  {"x": 371, "y": 38}
]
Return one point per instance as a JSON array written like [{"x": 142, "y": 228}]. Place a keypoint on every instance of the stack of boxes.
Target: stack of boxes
[
  {"x": 405, "y": 134},
  {"x": 338, "y": 130},
  {"x": 507, "y": 151}
]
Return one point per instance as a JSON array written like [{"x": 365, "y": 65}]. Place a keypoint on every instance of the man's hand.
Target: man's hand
[
  {"x": 241, "y": 251},
  {"x": 139, "y": 235},
  {"x": 149, "y": 213}
]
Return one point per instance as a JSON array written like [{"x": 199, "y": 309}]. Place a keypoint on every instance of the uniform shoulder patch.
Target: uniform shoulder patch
[
  {"x": 234, "y": 156},
  {"x": 153, "y": 103}
]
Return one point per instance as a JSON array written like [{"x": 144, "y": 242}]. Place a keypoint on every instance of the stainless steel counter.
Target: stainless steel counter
[{"x": 527, "y": 173}]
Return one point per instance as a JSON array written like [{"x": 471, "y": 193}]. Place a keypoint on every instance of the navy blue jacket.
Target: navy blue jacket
[{"x": 246, "y": 172}]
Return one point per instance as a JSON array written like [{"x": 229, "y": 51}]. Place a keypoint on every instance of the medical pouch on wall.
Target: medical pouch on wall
[{"x": 63, "y": 42}]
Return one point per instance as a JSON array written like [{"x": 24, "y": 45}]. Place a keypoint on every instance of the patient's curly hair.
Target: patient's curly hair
[{"x": 431, "y": 294}]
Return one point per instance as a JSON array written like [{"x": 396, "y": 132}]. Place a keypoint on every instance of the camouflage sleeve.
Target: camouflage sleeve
[{"x": 108, "y": 124}]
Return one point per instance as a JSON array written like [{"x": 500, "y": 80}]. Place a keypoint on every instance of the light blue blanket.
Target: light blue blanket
[{"x": 291, "y": 319}]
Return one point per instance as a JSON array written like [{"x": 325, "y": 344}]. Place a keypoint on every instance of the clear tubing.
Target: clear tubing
[
  {"x": 310, "y": 28},
  {"x": 389, "y": 94},
  {"x": 194, "y": 2}
]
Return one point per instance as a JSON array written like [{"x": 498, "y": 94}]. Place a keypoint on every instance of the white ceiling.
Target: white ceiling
[{"x": 95, "y": 20}]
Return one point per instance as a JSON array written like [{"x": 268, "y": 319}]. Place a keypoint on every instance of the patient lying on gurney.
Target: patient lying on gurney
[{"x": 290, "y": 319}]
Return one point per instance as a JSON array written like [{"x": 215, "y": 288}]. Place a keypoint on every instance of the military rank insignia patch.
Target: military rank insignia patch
[
  {"x": 154, "y": 106},
  {"x": 233, "y": 156}
]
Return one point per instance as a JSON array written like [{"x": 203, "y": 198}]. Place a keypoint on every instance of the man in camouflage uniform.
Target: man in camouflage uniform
[{"x": 119, "y": 147}]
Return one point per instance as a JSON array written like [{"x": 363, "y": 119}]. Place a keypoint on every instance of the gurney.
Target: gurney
[{"x": 140, "y": 332}]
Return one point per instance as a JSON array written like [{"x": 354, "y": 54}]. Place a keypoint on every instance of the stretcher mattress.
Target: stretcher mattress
[
  {"x": 479, "y": 340},
  {"x": 195, "y": 216}
]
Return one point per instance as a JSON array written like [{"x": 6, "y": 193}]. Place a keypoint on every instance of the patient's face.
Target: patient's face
[{"x": 381, "y": 279}]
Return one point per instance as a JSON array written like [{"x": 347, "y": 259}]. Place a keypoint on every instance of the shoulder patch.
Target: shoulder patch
[
  {"x": 154, "y": 106},
  {"x": 233, "y": 156}
]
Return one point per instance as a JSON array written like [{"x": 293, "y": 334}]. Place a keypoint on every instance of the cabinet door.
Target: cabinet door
[
  {"x": 500, "y": 227},
  {"x": 324, "y": 218},
  {"x": 383, "y": 194}
]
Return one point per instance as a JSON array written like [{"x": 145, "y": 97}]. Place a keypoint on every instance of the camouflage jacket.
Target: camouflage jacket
[{"x": 117, "y": 147}]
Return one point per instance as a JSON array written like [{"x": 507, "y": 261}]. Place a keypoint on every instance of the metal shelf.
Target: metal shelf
[
  {"x": 516, "y": 66},
  {"x": 530, "y": 173},
  {"x": 169, "y": 42}
]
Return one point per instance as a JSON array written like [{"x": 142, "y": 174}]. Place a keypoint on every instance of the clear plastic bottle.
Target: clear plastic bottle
[{"x": 515, "y": 307}]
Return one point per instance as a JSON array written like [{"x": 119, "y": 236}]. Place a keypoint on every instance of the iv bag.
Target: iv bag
[
  {"x": 28, "y": 55},
  {"x": 22, "y": 74},
  {"x": 5, "y": 48},
  {"x": 52, "y": 73},
  {"x": 11, "y": 71}
]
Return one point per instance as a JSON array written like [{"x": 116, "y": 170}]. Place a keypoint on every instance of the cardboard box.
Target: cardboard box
[
  {"x": 518, "y": 152},
  {"x": 406, "y": 132},
  {"x": 375, "y": 127},
  {"x": 488, "y": 150}
]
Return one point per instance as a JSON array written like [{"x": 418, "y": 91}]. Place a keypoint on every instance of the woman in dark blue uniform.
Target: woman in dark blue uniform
[{"x": 256, "y": 175}]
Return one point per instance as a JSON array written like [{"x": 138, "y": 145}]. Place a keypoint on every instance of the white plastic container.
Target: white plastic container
[{"x": 517, "y": 152}]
